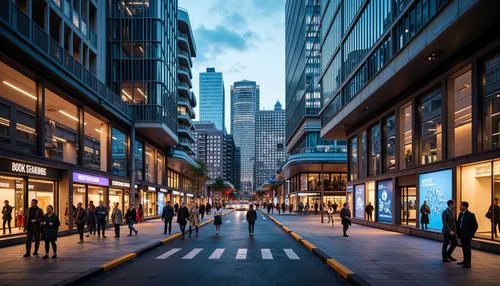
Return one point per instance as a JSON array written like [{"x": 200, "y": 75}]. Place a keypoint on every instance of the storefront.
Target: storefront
[
  {"x": 119, "y": 192},
  {"x": 149, "y": 201},
  {"x": 89, "y": 188},
  {"x": 162, "y": 199},
  {"x": 21, "y": 182},
  {"x": 177, "y": 197}
]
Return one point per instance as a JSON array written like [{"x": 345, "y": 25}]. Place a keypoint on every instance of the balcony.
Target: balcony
[
  {"x": 184, "y": 59},
  {"x": 192, "y": 98},
  {"x": 186, "y": 144},
  {"x": 184, "y": 75},
  {"x": 184, "y": 102},
  {"x": 183, "y": 39},
  {"x": 156, "y": 124},
  {"x": 184, "y": 118},
  {"x": 183, "y": 88},
  {"x": 185, "y": 132},
  {"x": 20, "y": 24}
]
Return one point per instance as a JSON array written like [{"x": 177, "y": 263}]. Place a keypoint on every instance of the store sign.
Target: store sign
[
  {"x": 190, "y": 195},
  {"x": 90, "y": 179},
  {"x": 384, "y": 196},
  {"x": 152, "y": 189},
  {"x": 120, "y": 184},
  {"x": 176, "y": 193},
  {"x": 436, "y": 189},
  {"x": 349, "y": 189},
  {"x": 21, "y": 168},
  {"x": 359, "y": 201},
  {"x": 161, "y": 198},
  {"x": 308, "y": 194},
  {"x": 163, "y": 190}
]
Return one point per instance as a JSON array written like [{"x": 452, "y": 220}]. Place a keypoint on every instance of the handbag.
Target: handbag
[{"x": 488, "y": 214}]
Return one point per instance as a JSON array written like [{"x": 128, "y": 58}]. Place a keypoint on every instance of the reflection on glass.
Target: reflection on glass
[
  {"x": 139, "y": 159},
  {"x": 150, "y": 164},
  {"x": 375, "y": 149},
  {"x": 118, "y": 152},
  {"x": 95, "y": 150},
  {"x": 406, "y": 137},
  {"x": 390, "y": 142},
  {"x": 353, "y": 166},
  {"x": 431, "y": 128},
  {"x": 160, "y": 161},
  {"x": 462, "y": 114},
  {"x": 491, "y": 107},
  {"x": 12, "y": 190}
]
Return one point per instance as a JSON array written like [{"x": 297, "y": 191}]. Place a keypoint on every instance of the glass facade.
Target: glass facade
[
  {"x": 353, "y": 159},
  {"x": 462, "y": 110},
  {"x": 406, "y": 136},
  {"x": 431, "y": 128},
  {"x": 390, "y": 143},
  {"x": 139, "y": 160},
  {"x": 95, "y": 150},
  {"x": 375, "y": 163},
  {"x": 491, "y": 104},
  {"x": 119, "y": 147},
  {"x": 150, "y": 164},
  {"x": 212, "y": 98}
]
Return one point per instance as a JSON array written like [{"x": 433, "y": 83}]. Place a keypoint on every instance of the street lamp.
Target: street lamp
[{"x": 322, "y": 194}]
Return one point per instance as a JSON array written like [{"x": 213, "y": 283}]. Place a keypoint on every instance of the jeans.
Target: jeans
[
  {"x": 80, "y": 229},
  {"x": 131, "y": 228},
  {"x": 183, "y": 228},
  {"x": 47, "y": 246},
  {"x": 190, "y": 230},
  {"x": 202, "y": 215},
  {"x": 370, "y": 217},
  {"x": 466, "y": 249},
  {"x": 101, "y": 224},
  {"x": 117, "y": 229},
  {"x": 251, "y": 226},
  {"x": 92, "y": 228},
  {"x": 344, "y": 229},
  {"x": 447, "y": 252},
  {"x": 168, "y": 222},
  {"x": 8, "y": 223},
  {"x": 30, "y": 234}
]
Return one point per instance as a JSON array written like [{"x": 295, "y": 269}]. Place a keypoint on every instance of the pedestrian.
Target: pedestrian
[
  {"x": 316, "y": 208},
  {"x": 330, "y": 215},
  {"x": 80, "y": 217},
  {"x": 272, "y": 208},
  {"x": 50, "y": 227},
  {"x": 117, "y": 218},
  {"x": 91, "y": 220},
  {"x": 278, "y": 207},
  {"x": 209, "y": 208},
  {"x": 466, "y": 229},
  {"x": 194, "y": 219},
  {"x": 345, "y": 214},
  {"x": 290, "y": 208},
  {"x": 217, "y": 219},
  {"x": 166, "y": 217},
  {"x": 130, "y": 218},
  {"x": 6, "y": 215},
  {"x": 202, "y": 210},
  {"x": 283, "y": 208},
  {"x": 306, "y": 209},
  {"x": 139, "y": 214},
  {"x": 493, "y": 214},
  {"x": 449, "y": 232},
  {"x": 176, "y": 208},
  {"x": 335, "y": 206},
  {"x": 425, "y": 210},
  {"x": 182, "y": 218},
  {"x": 20, "y": 219},
  {"x": 301, "y": 207},
  {"x": 101, "y": 213},
  {"x": 34, "y": 216},
  {"x": 251, "y": 218},
  {"x": 369, "y": 211},
  {"x": 268, "y": 208}
]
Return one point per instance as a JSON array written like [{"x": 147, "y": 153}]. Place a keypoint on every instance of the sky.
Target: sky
[{"x": 244, "y": 39}]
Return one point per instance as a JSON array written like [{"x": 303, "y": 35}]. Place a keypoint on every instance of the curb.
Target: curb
[
  {"x": 338, "y": 267},
  {"x": 94, "y": 272}
]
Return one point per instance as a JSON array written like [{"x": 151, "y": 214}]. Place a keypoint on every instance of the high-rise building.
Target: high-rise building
[
  {"x": 244, "y": 104},
  {"x": 231, "y": 171},
  {"x": 309, "y": 156},
  {"x": 414, "y": 86},
  {"x": 270, "y": 152},
  {"x": 212, "y": 98},
  {"x": 210, "y": 147}
]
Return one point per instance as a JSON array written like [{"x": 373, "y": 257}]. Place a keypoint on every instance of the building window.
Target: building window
[
  {"x": 363, "y": 154},
  {"x": 375, "y": 150},
  {"x": 118, "y": 152},
  {"x": 491, "y": 108},
  {"x": 353, "y": 159},
  {"x": 406, "y": 137},
  {"x": 150, "y": 164},
  {"x": 160, "y": 160},
  {"x": 390, "y": 143},
  {"x": 139, "y": 159},
  {"x": 61, "y": 123},
  {"x": 462, "y": 114},
  {"x": 431, "y": 141},
  {"x": 95, "y": 150}
]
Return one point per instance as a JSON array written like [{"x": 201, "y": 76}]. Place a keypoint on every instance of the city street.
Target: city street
[{"x": 271, "y": 257}]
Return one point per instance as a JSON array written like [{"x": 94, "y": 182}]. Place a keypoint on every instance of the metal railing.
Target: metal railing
[
  {"x": 28, "y": 29},
  {"x": 186, "y": 70},
  {"x": 154, "y": 113},
  {"x": 185, "y": 54}
]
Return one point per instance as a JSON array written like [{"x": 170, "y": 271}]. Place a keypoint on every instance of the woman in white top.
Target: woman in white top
[{"x": 217, "y": 218}]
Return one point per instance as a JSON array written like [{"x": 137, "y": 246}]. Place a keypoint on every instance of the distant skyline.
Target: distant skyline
[{"x": 244, "y": 39}]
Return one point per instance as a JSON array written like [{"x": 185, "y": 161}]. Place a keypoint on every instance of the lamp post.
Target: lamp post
[{"x": 322, "y": 194}]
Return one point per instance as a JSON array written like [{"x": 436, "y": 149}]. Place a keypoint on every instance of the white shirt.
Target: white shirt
[{"x": 218, "y": 212}]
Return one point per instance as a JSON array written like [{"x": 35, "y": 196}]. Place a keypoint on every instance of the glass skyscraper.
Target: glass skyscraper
[{"x": 212, "y": 98}]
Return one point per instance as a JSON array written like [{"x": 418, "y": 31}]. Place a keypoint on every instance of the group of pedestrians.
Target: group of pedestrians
[
  {"x": 194, "y": 216},
  {"x": 41, "y": 226}
]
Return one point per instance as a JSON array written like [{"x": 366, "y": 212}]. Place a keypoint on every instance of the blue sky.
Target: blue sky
[{"x": 245, "y": 39}]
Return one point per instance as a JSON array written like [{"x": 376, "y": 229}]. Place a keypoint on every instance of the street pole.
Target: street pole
[{"x": 322, "y": 194}]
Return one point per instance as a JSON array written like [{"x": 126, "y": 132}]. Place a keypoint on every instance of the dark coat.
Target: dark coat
[
  {"x": 49, "y": 232},
  {"x": 202, "y": 209},
  {"x": 183, "y": 215},
  {"x": 425, "y": 211},
  {"x": 35, "y": 213},
  {"x": 449, "y": 221},
  {"x": 101, "y": 213},
  {"x": 168, "y": 212},
  {"x": 368, "y": 209},
  {"x": 130, "y": 215},
  {"x": 91, "y": 219},
  {"x": 345, "y": 214},
  {"x": 494, "y": 215},
  {"x": 80, "y": 217},
  {"x": 467, "y": 227},
  {"x": 251, "y": 215},
  {"x": 7, "y": 212}
]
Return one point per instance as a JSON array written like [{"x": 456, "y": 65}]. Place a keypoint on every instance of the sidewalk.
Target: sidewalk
[
  {"x": 389, "y": 258},
  {"x": 76, "y": 259}
]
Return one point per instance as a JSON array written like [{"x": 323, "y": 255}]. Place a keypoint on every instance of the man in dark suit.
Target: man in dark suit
[
  {"x": 466, "y": 228},
  {"x": 167, "y": 216},
  {"x": 449, "y": 231},
  {"x": 345, "y": 214}
]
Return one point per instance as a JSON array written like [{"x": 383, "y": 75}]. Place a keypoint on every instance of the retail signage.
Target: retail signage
[
  {"x": 120, "y": 184},
  {"x": 349, "y": 189},
  {"x": 163, "y": 190},
  {"x": 308, "y": 194},
  {"x": 152, "y": 189},
  {"x": 90, "y": 179},
  {"x": 176, "y": 193},
  {"x": 190, "y": 195},
  {"x": 359, "y": 201},
  {"x": 384, "y": 197},
  {"x": 16, "y": 167},
  {"x": 161, "y": 198},
  {"x": 436, "y": 189}
]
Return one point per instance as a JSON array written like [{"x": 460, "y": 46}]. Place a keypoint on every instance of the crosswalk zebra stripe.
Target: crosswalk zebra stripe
[
  {"x": 266, "y": 253},
  {"x": 217, "y": 253},
  {"x": 228, "y": 221},
  {"x": 193, "y": 253},
  {"x": 168, "y": 253},
  {"x": 291, "y": 254},
  {"x": 242, "y": 253}
]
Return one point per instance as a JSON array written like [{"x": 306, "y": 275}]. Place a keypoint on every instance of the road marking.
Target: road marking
[
  {"x": 244, "y": 221},
  {"x": 263, "y": 218},
  {"x": 266, "y": 253},
  {"x": 169, "y": 253},
  {"x": 217, "y": 253},
  {"x": 193, "y": 253},
  {"x": 291, "y": 254},
  {"x": 242, "y": 253},
  {"x": 228, "y": 221}
]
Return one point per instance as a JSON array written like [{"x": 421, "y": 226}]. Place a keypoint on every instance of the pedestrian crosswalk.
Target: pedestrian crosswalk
[{"x": 241, "y": 254}]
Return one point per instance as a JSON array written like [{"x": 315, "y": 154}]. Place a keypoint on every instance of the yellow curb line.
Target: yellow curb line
[
  {"x": 308, "y": 245},
  {"x": 170, "y": 238},
  {"x": 286, "y": 229},
  {"x": 118, "y": 261},
  {"x": 339, "y": 267},
  {"x": 296, "y": 236}
]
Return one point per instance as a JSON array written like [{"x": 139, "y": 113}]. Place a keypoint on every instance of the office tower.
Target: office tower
[{"x": 212, "y": 98}]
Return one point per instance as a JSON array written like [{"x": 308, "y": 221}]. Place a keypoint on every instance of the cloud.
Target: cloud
[
  {"x": 235, "y": 20},
  {"x": 237, "y": 68},
  {"x": 269, "y": 7},
  {"x": 254, "y": 8}
]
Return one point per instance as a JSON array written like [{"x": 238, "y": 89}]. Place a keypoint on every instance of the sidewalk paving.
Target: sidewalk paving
[
  {"x": 76, "y": 259},
  {"x": 389, "y": 258}
]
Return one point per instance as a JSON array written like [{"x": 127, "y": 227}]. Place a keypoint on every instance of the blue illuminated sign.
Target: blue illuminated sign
[
  {"x": 436, "y": 189},
  {"x": 384, "y": 201}
]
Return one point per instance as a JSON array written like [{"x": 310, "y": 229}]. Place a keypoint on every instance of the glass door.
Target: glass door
[{"x": 409, "y": 206}]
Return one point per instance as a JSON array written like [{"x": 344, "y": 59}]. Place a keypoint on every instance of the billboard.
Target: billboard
[
  {"x": 359, "y": 201},
  {"x": 384, "y": 201},
  {"x": 436, "y": 189}
]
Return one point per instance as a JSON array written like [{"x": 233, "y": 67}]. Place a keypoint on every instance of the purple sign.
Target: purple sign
[{"x": 90, "y": 179}]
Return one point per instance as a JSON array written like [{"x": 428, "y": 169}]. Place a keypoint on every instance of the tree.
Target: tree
[{"x": 199, "y": 175}]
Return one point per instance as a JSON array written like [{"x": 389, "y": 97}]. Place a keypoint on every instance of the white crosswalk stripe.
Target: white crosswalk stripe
[
  {"x": 169, "y": 253},
  {"x": 217, "y": 253},
  {"x": 266, "y": 253},
  {"x": 291, "y": 254},
  {"x": 228, "y": 221},
  {"x": 193, "y": 253},
  {"x": 242, "y": 253}
]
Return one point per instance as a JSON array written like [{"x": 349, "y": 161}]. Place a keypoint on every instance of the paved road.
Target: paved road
[{"x": 271, "y": 257}]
